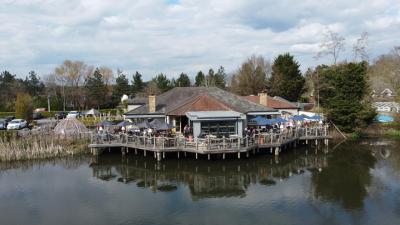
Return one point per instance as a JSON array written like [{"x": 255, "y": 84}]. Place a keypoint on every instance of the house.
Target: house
[
  {"x": 282, "y": 105},
  {"x": 208, "y": 110},
  {"x": 386, "y": 107},
  {"x": 386, "y": 93}
]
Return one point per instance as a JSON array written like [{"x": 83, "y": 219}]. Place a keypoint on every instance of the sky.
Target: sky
[{"x": 174, "y": 36}]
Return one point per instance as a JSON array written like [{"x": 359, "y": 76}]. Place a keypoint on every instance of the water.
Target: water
[{"x": 356, "y": 183}]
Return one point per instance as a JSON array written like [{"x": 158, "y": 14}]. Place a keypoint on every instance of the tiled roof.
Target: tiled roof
[
  {"x": 272, "y": 102},
  {"x": 181, "y": 98}
]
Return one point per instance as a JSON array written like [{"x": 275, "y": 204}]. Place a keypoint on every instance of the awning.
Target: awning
[{"x": 215, "y": 115}]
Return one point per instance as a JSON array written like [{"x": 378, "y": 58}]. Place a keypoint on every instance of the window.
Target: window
[{"x": 218, "y": 128}]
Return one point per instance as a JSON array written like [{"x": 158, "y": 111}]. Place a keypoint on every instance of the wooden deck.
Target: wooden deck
[{"x": 238, "y": 145}]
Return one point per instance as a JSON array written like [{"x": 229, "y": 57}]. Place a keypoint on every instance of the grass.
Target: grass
[{"x": 392, "y": 133}]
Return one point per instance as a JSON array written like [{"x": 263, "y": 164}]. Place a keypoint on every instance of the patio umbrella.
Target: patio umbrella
[
  {"x": 298, "y": 118},
  {"x": 316, "y": 117},
  {"x": 280, "y": 120},
  {"x": 144, "y": 125},
  {"x": 125, "y": 123},
  {"x": 158, "y": 125},
  {"x": 105, "y": 123}
]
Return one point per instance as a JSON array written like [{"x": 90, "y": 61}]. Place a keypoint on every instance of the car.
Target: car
[
  {"x": 37, "y": 116},
  {"x": 9, "y": 118},
  {"x": 3, "y": 124},
  {"x": 73, "y": 114},
  {"x": 60, "y": 115},
  {"x": 17, "y": 124}
]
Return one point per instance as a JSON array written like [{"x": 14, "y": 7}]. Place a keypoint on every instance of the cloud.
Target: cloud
[{"x": 170, "y": 36}]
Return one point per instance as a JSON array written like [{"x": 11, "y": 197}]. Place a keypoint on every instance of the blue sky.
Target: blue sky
[{"x": 173, "y": 36}]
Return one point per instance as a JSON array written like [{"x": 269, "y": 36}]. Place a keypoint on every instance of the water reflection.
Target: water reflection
[{"x": 205, "y": 179}]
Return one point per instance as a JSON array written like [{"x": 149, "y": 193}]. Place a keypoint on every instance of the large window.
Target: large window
[{"x": 218, "y": 128}]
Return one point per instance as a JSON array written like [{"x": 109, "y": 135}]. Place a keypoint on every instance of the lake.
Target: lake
[{"x": 352, "y": 183}]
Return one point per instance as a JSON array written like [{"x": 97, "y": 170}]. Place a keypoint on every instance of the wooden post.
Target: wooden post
[
  {"x": 223, "y": 155},
  {"x": 154, "y": 146},
  {"x": 208, "y": 155},
  {"x": 144, "y": 153},
  {"x": 196, "y": 155},
  {"x": 163, "y": 155},
  {"x": 238, "y": 155},
  {"x": 178, "y": 155}
]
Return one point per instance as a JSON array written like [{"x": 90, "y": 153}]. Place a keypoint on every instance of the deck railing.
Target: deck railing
[{"x": 211, "y": 144}]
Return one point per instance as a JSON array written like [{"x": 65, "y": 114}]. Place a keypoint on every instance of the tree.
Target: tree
[
  {"x": 200, "y": 79},
  {"x": 162, "y": 82},
  {"x": 385, "y": 72},
  {"x": 286, "y": 80},
  {"x": 33, "y": 85},
  {"x": 360, "y": 48},
  {"x": 220, "y": 78},
  {"x": 96, "y": 89},
  {"x": 137, "y": 84},
  {"x": 70, "y": 74},
  {"x": 250, "y": 79},
  {"x": 24, "y": 106},
  {"x": 121, "y": 87},
  {"x": 9, "y": 87},
  {"x": 344, "y": 95},
  {"x": 333, "y": 45},
  {"x": 182, "y": 81}
]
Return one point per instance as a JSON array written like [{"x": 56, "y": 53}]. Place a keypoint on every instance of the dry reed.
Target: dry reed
[{"x": 39, "y": 146}]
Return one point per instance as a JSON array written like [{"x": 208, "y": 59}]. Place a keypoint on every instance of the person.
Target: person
[{"x": 123, "y": 129}]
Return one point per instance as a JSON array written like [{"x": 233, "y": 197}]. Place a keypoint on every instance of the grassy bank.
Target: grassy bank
[
  {"x": 381, "y": 130},
  {"x": 39, "y": 146}
]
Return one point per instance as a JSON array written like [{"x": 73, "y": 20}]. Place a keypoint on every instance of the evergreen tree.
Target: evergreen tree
[
  {"x": 182, "y": 81},
  {"x": 162, "y": 82},
  {"x": 286, "y": 80},
  {"x": 121, "y": 87},
  {"x": 33, "y": 85},
  {"x": 137, "y": 84},
  {"x": 220, "y": 78},
  {"x": 200, "y": 79},
  {"x": 96, "y": 89},
  {"x": 344, "y": 94}
]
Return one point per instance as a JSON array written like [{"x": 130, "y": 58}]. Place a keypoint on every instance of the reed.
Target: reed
[{"x": 39, "y": 146}]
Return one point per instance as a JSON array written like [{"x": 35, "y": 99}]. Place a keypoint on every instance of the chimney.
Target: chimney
[
  {"x": 152, "y": 103},
  {"x": 263, "y": 98}
]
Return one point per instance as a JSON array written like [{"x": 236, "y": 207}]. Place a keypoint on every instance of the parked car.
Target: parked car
[
  {"x": 9, "y": 118},
  {"x": 3, "y": 124},
  {"x": 73, "y": 114},
  {"x": 17, "y": 124},
  {"x": 60, "y": 115},
  {"x": 37, "y": 116}
]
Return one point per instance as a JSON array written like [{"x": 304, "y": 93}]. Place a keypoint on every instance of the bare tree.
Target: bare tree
[
  {"x": 360, "y": 48},
  {"x": 71, "y": 74},
  {"x": 333, "y": 45},
  {"x": 251, "y": 77}
]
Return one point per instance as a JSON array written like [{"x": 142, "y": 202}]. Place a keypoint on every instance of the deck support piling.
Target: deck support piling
[
  {"x": 196, "y": 156},
  {"x": 144, "y": 153},
  {"x": 163, "y": 155},
  {"x": 208, "y": 155},
  {"x": 238, "y": 155},
  {"x": 178, "y": 155},
  {"x": 247, "y": 154},
  {"x": 223, "y": 155}
]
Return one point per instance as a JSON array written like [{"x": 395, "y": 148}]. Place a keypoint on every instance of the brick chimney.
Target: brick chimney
[
  {"x": 263, "y": 98},
  {"x": 152, "y": 103}
]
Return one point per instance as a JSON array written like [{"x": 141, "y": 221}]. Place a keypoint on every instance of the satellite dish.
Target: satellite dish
[{"x": 124, "y": 98}]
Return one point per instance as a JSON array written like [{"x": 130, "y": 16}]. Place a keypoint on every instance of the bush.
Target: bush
[
  {"x": 24, "y": 106},
  {"x": 48, "y": 114}
]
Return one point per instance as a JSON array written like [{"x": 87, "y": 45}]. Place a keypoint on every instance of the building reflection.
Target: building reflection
[{"x": 205, "y": 179}]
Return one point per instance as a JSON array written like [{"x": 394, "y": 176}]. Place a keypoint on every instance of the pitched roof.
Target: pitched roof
[
  {"x": 272, "y": 102},
  {"x": 181, "y": 99}
]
